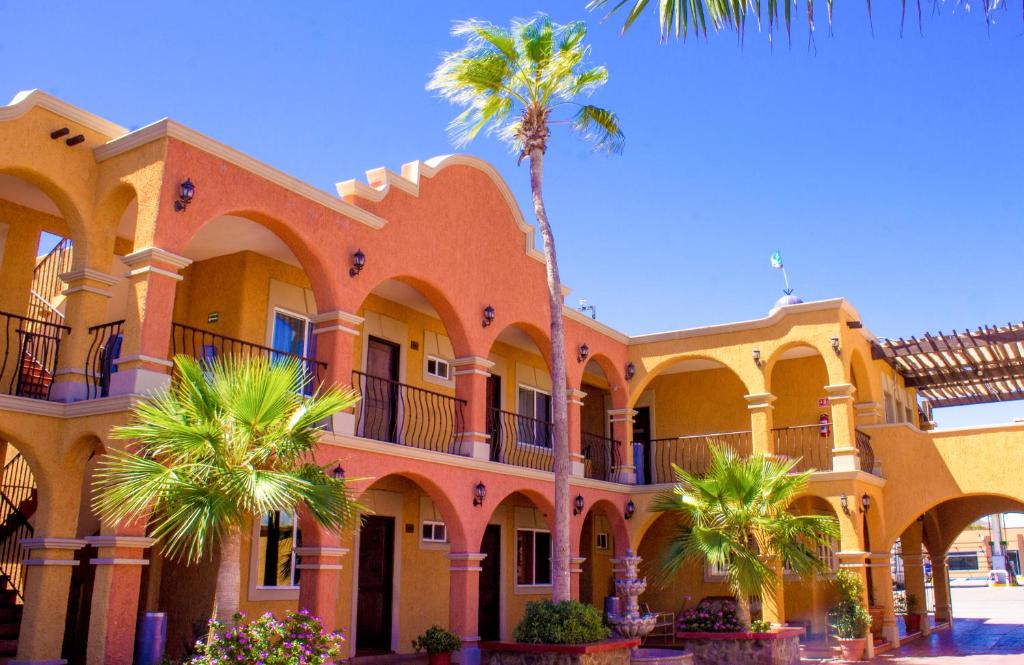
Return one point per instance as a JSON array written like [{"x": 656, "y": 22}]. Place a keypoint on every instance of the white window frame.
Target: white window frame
[
  {"x": 602, "y": 541},
  {"x": 435, "y": 378},
  {"x": 259, "y": 573},
  {"x": 433, "y": 524},
  {"x": 535, "y": 390},
  {"x": 307, "y": 325},
  {"x": 534, "y": 585}
]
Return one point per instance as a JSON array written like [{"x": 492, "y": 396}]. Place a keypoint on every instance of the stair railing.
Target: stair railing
[
  {"x": 47, "y": 284},
  {"x": 17, "y": 492}
]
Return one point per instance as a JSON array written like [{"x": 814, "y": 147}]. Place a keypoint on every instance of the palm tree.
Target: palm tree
[
  {"x": 680, "y": 17},
  {"x": 230, "y": 441},
  {"x": 737, "y": 517},
  {"x": 513, "y": 83}
]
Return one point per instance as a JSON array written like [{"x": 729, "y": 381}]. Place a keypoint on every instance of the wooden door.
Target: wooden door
[
  {"x": 642, "y": 435},
  {"x": 489, "y": 617},
  {"x": 376, "y": 578},
  {"x": 493, "y": 417},
  {"x": 380, "y": 394}
]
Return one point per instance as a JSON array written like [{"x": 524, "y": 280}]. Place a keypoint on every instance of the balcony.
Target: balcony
[
  {"x": 520, "y": 440},
  {"x": 601, "y": 456},
  {"x": 691, "y": 453},
  {"x": 31, "y": 350},
  {"x": 813, "y": 445}
]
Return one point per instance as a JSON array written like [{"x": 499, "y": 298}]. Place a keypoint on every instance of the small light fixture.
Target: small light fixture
[
  {"x": 836, "y": 347},
  {"x": 630, "y": 371},
  {"x": 630, "y": 509},
  {"x": 59, "y": 133},
  {"x": 186, "y": 192},
  {"x": 756, "y": 353},
  {"x": 479, "y": 494},
  {"x": 582, "y": 353},
  {"x": 358, "y": 261},
  {"x": 488, "y": 316},
  {"x": 865, "y": 502},
  {"x": 844, "y": 501},
  {"x": 578, "y": 504},
  {"x": 338, "y": 473}
]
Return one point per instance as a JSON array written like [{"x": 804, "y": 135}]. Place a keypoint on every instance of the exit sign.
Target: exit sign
[{"x": 822, "y": 402}]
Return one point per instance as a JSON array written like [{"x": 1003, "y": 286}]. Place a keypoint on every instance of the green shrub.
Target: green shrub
[
  {"x": 568, "y": 622},
  {"x": 849, "y": 618},
  {"x": 760, "y": 626},
  {"x": 437, "y": 640}
]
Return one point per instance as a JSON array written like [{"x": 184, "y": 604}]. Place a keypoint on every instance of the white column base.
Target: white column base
[
  {"x": 138, "y": 382},
  {"x": 845, "y": 459},
  {"x": 578, "y": 469},
  {"x": 343, "y": 423}
]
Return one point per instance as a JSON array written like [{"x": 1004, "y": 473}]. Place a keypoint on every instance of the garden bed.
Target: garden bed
[
  {"x": 781, "y": 646},
  {"x": 607, "y": 652}
]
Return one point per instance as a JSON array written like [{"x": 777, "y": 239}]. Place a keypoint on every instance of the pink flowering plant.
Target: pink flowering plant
[
  {"x": 297, "y": 639},
  {"x": 707, "y": 619}
]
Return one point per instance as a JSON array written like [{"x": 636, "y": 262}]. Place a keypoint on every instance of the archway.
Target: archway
[
  {"x": 809, "y": 599},
  {"x": 801, "y": 417},
  {"x": 602, "y": 452},
  {"x": 603, "y": 537}
]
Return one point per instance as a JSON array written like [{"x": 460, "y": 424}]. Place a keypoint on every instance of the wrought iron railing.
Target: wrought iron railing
[
  {"x": 104, "y": 349},
  {"x": 206, "y": 345},
  {"x": 692, "y": 453},
  {"x": 812, "y": 444},
  {"x": 31, "y": 349},
  {"x": 601, "y": 456},
  {"x": 47, "y": 284},
  {"x": 520, "y": 440},
  {"x": 399, "y": 413},
  {"x": 865, "y": 452},
  {"x": 18, "y": 498}
]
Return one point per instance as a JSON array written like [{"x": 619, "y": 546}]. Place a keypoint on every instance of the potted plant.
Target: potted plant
[
  {"x": 849, "y": 618},
  {"x": 439, "y": 645},
  {"x": 910, "y": 614}
]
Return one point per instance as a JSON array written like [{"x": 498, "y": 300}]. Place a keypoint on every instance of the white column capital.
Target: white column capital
[
  {"x": 760, "y": 401},
  {"x": 150, "y": 255},
  {"x": 472, "y": 365},
  {"x": 465, "y": 562},
  {"x": 621, "y": 415},
  {"x": 840, "y": 392},
  {"x": 322, "y": 551},
  {"x": 337, "y": 321},
  {"x": 134, "y": 542},
  {"x": 575, "y": 396}
]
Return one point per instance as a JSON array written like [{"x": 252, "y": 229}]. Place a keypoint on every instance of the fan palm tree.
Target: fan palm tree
[
  {"x": 514, "y": 83},
  {"x": 230, "y": 441},
  {"x": 680, "y": 17},
  {"x": 737, "y": 517}
]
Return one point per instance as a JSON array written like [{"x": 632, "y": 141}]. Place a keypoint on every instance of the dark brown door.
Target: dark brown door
[
  {"x": 376, "y": 573},
  {"x": 642, "y": 435},
  {"x": 493, "y": 417},
  {"x": 490, "y": 585},
  {"x": 380, "y": 395}
]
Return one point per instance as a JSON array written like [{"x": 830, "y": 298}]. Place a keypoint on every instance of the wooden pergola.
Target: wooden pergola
[{"x": 970, "y": 367}]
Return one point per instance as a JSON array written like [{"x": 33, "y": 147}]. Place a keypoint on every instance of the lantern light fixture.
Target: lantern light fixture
[
  {"x": 865, "y": 502},
  {"x": 630, "y": 509},
  {"x": 338, "y": 473},
  {"x": 479, "y": 494},
  {"x": 186, "y": 192},
  {"x": 756, "y": 353},
  {"x": 488, "y": 316},
  {"x": 630, "y": 371},
  {"x": 578, "y": 504},
  {"x": 358, "y": 262},
  {"x": 583, "y": 352},
  {"x": 835, "y": 346},
  {"x": 844, "y": 501}
]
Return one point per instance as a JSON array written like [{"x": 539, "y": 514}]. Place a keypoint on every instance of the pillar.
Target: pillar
[
  {"x": 115, "y": 597},
  {"x": 575, "y": 573},
  {"x": 869, "y": 413},
  {"x": 47, "y": 583},
  {"x": 471, "y": 373},
  {"x": 152, "y": 280},
  {"x": 881, "y": 578},
  {"x": 334, "y": 335},
  {"x": 761, "y": 436},
  {"x": 844, "y": 436},
  {"x": 20, "y": 245},
  {"x": 464, "y": 602},
  {"x": 622, "y": 431},
  {"x": 87, "y": 297},
  {"x": 320, "y": 559},
  {"x": 574, "y": 404},
  {"x": 940, "y": 585},
  {"x": 773, "y": 602},
  {"x": 913, "y": 572}
]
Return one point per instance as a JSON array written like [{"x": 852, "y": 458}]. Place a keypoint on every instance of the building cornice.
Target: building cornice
[{"x": 27, "y": 100}]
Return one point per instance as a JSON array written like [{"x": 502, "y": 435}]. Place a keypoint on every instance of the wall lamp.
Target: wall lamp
[
  {"x": 488, "y": 316},
  {"x": 479, "y": 494},
  {"x": 630, "y": 371},
  {"x": 358, "y": 262},
  {"x": 578, "y": 504},
  {"x": 865, "y": 502},
  {"x": 835, "y": 346},
  {"x": 756, "y": 353},
  {"x": 582, "y": 353},
  {"x": 59, "y": 133},
  {"x": 844, "y": 501},
  {"x": 338, "y": 473},
  {"x": 186, "y": 192},
  {"x": 630, "y": 509}
]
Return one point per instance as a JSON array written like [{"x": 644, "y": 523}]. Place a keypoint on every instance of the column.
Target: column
[
  {"x": 464, "y": 602},
  {"x": 940, "y": 585},
  {"x": 334, "y": 335},
  {"x": 762, "y": 438},
  {"x": 844, "y": 441},
  {"x": 869, "y": 413},
  {"x": 320, "y": 562},
  {"x": 622, "y": 431},
  {"x": 855, "y": 561},
  {"x": 47, "y": 583},
  {"x": 881, "y": 578},
  {"x": 574, "y": 406},
  {"x": 115, "y": 597},
  {"x": 471, "y": 373},
  {"x": 20, "y": 247},
  {"x": 86, "y": 302},
  {"x": 773, "y": 603},
  {"x": 913, "y": 573},
  {"x": 575, "y": 572},
  {"x": 152, "y": 280}
]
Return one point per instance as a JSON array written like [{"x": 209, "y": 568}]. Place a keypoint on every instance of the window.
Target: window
[
  {"x": 291, "y": 338},
  {"x": 438, "y": 368},
  {"x": 534, "y": 427},
  {"x": 279, "y": 536},
  {"x": 962, "y": 561},
  {"x": 533, "y": 557},
  {"x": 602, "y": 541},
  {"x": 434, "y": 532},
  {"x": 712, "y": 570}
]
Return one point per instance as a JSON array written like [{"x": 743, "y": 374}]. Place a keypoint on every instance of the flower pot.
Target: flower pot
[
  {"x": 853, "y": 649},
  {"x": 439, "y": 658},
  {"x": 876, "y": 620},
  {"x": 913, "y": 622}
]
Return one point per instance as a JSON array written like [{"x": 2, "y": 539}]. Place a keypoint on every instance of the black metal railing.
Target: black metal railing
[
  {"x": 865, "y": 452},
  {"x": 399, "y": 413},
  {"x": 47, "y": 284},
  {"x": 104, "y": 349},
  {"x": 18, "y": 497},
  {"x": 601, "y": 456},
  {"x": 31, "y": 349},
  {"x": 520, "y": 440},
  {"x": 207, "y": 346},
  {"x": 812, "y": 444},
  {"x": 692, "y": 453}
]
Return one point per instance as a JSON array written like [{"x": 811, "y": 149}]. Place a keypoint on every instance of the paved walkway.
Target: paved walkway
[{"x": 988, "y": 629}]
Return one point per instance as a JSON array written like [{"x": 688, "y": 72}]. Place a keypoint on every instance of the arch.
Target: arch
[
  {"x": 862, "y": 378},
  {"x": 541, "y": 340},
  {"x": 643, "y": 382},
  {"x": 457, "y": 531},
  {"x": 796, "y": 374},
  {"x": 598, "y": 549},
  {"x": 117, "y": 214},
  {"x": 952, "y": 515},
  {"x": 69, "y": 210},
  {"x": 616, "y": 382},
  {"x": 790, "y": 350}
]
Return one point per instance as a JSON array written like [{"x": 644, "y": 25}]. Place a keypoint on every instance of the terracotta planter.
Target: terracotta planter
[
  {"x": 853, "y": 649},
  {"x": 439, "y": 658},
  {"x": 876, "y": 620},
  {"x": 913, "y": 622}
]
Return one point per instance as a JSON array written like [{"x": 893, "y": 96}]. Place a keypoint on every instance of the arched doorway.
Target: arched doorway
[
  {"x": 602, "y": 452},
  {"x": 801, "y": 417},
  {"x": 603, "y": 538}
]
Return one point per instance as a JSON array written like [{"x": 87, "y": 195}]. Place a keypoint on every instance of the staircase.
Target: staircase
[
  {"x": 47, "y": 287},
  {"x": 10, "y": 621},
  {"x": 18, "y": 501}
]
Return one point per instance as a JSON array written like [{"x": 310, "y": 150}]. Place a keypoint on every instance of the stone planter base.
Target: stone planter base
[
  {"x": 609, "y": 652},
  {"x": 779, "y": 647}
]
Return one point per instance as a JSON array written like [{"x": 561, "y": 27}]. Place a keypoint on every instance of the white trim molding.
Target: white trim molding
[
  {"x": 135, "y": 542},
  {"x": 26, "y": 100},
  {"x": 149, "y": 255}
]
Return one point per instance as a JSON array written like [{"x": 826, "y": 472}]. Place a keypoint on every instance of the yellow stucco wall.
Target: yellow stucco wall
[{"x": 700, "y": 402}]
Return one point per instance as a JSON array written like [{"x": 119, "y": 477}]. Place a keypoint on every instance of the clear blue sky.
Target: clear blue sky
[{"x": 887, "y": 170}]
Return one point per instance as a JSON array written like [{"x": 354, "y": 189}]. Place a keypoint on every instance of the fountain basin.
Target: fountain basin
[{"x": 660, "y": 657}]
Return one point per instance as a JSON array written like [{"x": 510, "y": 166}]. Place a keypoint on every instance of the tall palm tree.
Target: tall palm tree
[
  {"x": 680, "y": 17},
  {"x": 230, "y": 441},
  {"x": 513, "y": 83},
  {"x": 737, "y": 517}
]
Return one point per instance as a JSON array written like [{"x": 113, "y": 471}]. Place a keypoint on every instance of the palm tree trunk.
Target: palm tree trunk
[
  {"x": 229, "y": 575},
  {"x": 743, "y": 610},
  {"x": 561, "y": 552}
]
